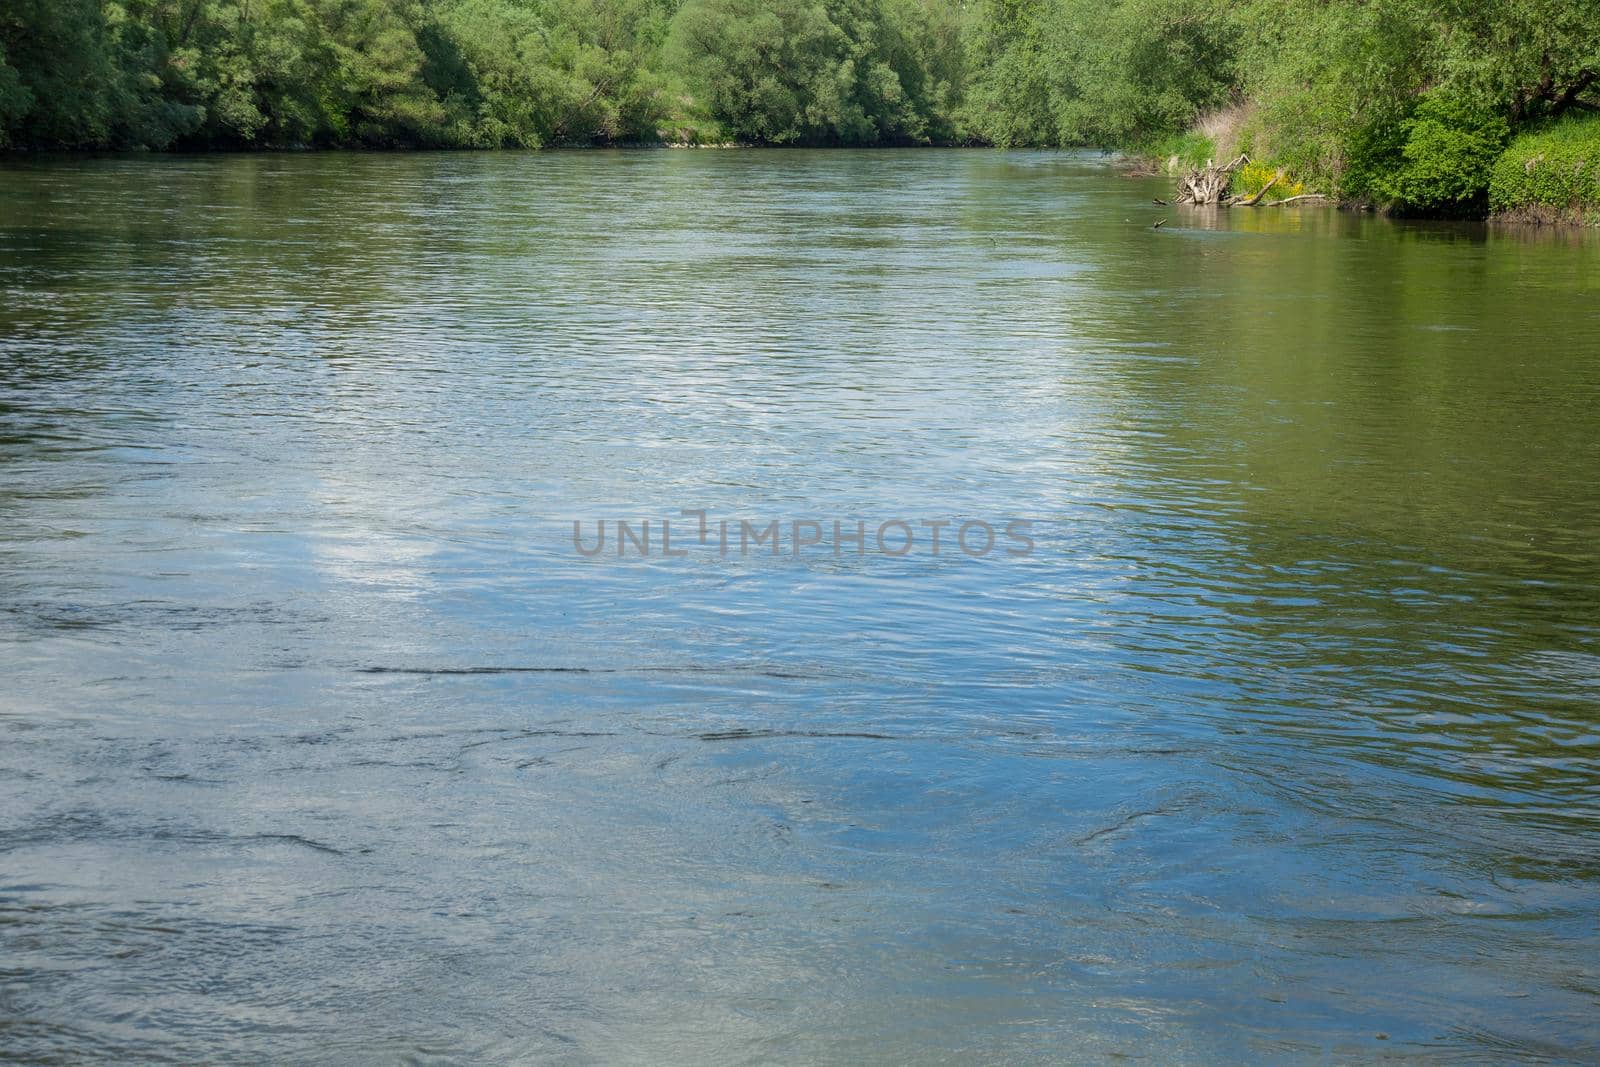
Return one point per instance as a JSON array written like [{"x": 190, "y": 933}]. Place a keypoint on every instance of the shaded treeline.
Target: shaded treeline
[{"x": 473, "y": 73}]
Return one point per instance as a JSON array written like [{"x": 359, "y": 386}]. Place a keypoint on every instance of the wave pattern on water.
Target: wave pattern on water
[{"x": 321, "y": 743}]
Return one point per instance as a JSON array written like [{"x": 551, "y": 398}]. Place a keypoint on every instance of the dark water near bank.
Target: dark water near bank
[{"x": 1284, "y": 744}]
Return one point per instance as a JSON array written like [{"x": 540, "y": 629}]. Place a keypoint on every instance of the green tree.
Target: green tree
[
  {"x": 16, "y": 99},
  {"x": 766, "y": 70},
  {"x": 64, "y": 81},
  {"x": 818, "y": 71},
  {"x": 1097, "y": 73},
  {"x": 376, "y": 93},
  {"x": 1008, "y": 100}
]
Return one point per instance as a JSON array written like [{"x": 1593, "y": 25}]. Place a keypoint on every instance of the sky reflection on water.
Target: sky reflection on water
[{"x": 1284, "y": 738}]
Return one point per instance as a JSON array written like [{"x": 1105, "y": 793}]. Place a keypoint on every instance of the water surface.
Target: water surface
[{"x": 1284, "y": 743}]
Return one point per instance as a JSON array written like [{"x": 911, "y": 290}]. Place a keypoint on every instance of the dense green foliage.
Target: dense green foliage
[
  {"x": 820, "y": 71},
  {"x": 1091, "y": 72},
  {"x": 1404, "y": 102},
  {"x": 1446, "y": 150},
  {"x": 467, "y": 73},
  {"x": 1552, "y": 174},
  {"x": 474, "y": 73}
]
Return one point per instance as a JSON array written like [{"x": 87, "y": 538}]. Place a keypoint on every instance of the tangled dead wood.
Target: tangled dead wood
[{"x": 1209, "y": 185}]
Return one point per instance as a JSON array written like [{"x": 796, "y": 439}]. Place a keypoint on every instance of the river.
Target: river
[{"x": 324, "y": 742}]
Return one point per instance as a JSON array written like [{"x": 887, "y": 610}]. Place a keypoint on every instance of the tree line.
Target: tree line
[
  {"x": 1405, "y": 101},
  {"x": 474, "y": 73}
]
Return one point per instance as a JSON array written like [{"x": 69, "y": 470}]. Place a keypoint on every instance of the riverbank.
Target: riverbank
[{"x": 1547, "y": 176}]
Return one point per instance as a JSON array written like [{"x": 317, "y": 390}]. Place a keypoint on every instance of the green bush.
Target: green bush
[
  {"x": 1552, "y": 173},
  {"x": 1449, "y": 150}
]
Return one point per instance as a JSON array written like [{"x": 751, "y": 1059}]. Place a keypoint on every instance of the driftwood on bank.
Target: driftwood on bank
[
  {"x": 1209, "y": 185},
  {"x": 1292, "y": 199}
]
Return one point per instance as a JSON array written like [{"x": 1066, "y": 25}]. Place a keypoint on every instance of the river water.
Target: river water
[{"x": 323, "y": 743}]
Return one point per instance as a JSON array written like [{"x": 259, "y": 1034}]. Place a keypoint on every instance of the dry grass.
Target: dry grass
[{"x": 1223, "y": 126}]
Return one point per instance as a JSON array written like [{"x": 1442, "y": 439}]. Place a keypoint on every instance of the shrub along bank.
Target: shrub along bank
[{"x": 1550, "y": 175}]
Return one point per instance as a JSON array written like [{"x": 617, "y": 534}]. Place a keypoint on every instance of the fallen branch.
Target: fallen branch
[
  {"x": 1254, "y": 200},
  {"x": 1292, "y": 199}
]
